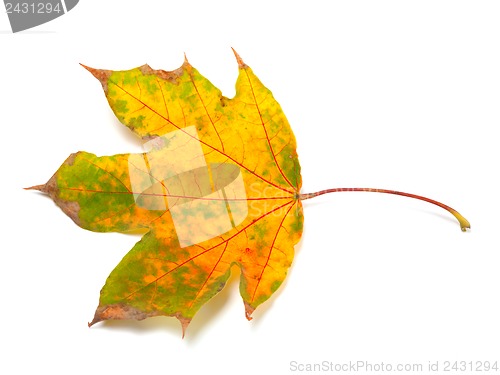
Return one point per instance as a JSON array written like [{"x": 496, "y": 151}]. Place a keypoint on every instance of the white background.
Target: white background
[{"x": 385, "y": 94}]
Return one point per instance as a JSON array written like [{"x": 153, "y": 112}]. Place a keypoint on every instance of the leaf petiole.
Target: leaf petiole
[{"x": 464, "y": 223}]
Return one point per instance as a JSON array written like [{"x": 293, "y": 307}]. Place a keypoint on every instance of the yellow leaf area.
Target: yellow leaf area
[{"x": 219, "y": 186}]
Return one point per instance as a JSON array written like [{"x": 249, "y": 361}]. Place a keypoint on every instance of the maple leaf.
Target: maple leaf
[{"x": 219, "y": 186}]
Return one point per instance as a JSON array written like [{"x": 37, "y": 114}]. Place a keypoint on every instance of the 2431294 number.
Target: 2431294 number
[
  {"x": 471, "y": 366},
  {"x": 38, "y": 8}
]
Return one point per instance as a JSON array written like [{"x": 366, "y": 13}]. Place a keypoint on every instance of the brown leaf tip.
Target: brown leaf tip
[
  {"x": 241, "y": 64},
  {"x": 51, "y": 188},
  {"x": 36, "y": 187},
  {"x": 184, "y": 323},
  {"x": 249, "y": 311},
  {"x": 101, "y": 74}
]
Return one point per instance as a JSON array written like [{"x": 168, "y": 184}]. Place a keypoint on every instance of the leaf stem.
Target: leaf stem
[{"x": 464, "y": 224}]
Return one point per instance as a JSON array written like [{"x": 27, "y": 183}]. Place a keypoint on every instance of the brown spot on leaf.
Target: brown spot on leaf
[
  {"x": 71, "y": 209},
  {"x": 150, "y": 137},
  {"x": 71, "y": 159},
  {"x": 172, "y": 77},
  {"x": 120, "y": 312}
]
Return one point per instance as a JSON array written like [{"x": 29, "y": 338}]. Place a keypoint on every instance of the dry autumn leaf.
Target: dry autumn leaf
[{"x": 219, "y": 186}]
